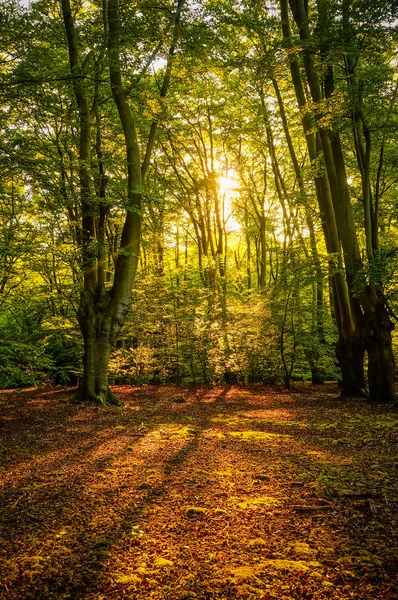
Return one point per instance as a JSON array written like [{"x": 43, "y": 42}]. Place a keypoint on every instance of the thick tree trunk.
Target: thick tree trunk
[
  {"x": 97, "y": 337},
  {"x": 365, "y": 325},
  {"x": 101, "y": 314},
  {"x": 350, "y": 352},
  {"x": 94, "y": 387},
  {"x": 381, "y": 365},
  {"x": 350, "y": 355}
]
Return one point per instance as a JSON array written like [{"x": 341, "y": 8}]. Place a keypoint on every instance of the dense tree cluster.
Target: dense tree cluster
[{"x": 198, "y": 191}]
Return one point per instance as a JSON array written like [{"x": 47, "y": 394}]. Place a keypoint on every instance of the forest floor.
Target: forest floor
[{"x": 198, "y": 492}]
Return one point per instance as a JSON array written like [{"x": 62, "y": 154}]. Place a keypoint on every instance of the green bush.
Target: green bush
[{"x": 23, "y": 365}]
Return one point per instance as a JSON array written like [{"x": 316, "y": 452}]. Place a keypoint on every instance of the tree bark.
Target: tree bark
[
  {"x": 350, "y": 353},
  {"x": 94, "y": 384},
  {"x": 102, "y": 313},
  {"x": 94, "y": 387},
  {"x": 355, "y": 336},
  {"x": 381, "y": 364},
  {"x": 318, "y": 325},
  {"x": 327, "y": 190}
]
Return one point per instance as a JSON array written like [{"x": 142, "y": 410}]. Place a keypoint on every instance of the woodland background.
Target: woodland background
[{"x": 234, "y": 281}]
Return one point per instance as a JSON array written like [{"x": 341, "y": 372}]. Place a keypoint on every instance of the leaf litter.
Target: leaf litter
[{"x": 232, "y": 493}]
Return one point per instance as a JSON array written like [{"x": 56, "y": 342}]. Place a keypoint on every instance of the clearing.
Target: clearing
[{"x": 198, "y": 492}]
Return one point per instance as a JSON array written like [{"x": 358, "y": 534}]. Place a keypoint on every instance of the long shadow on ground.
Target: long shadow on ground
[{"x": 198, "y": 493}]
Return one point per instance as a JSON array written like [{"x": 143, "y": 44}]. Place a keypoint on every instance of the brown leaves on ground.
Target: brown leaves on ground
[{"x": 198, "y": 493}]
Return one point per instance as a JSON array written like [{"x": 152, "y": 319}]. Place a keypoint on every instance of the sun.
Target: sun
[
  {"x": 228, "y": 189},
  {"x": 227, "y": 183}
]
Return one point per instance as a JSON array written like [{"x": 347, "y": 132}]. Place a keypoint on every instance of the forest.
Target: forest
[
  {"x": 198, "y": 192},
  {"x": 198, "y": 299}
]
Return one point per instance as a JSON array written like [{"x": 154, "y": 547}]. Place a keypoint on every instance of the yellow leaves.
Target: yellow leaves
[
  {"x": 214, "y": 434},
  {"x": 245, "y": 436},
  {"x": 177, "y": 430},
  {"x": 229, "y": 472},
  {"x": 244, "y": 573},
  {"x": 262, "y": 501},
  {"x": 302, "y": 550},
  {"x": 163, "y": 562},
  {"x": 252, "y": 572},
  {"x": 257, "y": 543},
  {"x": 327, "y": 110},
  {"x": 142, "y": 569},
  {"x": 60, "y": 534},
  {"x": 58, "y": 324},
  {"x": 152, "y": 108},
  {"x": 293, "y": 566},
  {"x": 87, "y": 8},
  {"x": 229, "y": 419},
  {"x": 126, "y": 579},
  {"x": 184, "y": 432}
]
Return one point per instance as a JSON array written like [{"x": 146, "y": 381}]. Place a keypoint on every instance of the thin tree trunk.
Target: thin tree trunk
[{"x": 318, "y": 286}]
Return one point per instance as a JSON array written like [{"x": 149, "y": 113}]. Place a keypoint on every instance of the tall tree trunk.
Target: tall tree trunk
[
  {"x": 335, "y": 211},
  {"x": 381, "y": 364},
  {"x": 94, "y": 384},
  {"x": 102, "y": 313},
  {"x": 318, "y": 326},
  {"x": 375, "y": 327}
]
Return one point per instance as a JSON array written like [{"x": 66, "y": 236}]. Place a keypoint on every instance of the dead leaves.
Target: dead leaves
[{"x": 201, "y": 493}]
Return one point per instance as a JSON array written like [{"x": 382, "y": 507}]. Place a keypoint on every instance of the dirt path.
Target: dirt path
[{"x": 198, "y": 493}]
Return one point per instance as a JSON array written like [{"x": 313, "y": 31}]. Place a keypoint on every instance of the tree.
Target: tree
[
  {"x": 361, "y": 315},
  {"x": 101, "y": 311},
  {"x": 221, "y": 197}
]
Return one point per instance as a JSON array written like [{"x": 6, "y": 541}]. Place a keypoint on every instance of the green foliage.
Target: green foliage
[
  {"x": 189, "y": 335},
  {"x": 63, "y": 347},
  {"x": 23, "y": 365},
  {"x": 37, "y": 347},
  {"x": 228, "y": 275}
]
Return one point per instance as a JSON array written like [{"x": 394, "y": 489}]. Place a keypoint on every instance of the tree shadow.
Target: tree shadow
[
  {"x": 33, "y": 514},
  {"x": 72, "y": 520}
]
